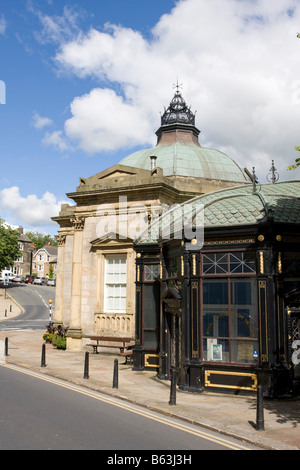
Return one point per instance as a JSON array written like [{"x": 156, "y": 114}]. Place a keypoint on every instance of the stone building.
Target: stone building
[
  {"x": 43, "y": 259},
  {"x": 23, "y": 265},
  {"x": 95, "y": 288}
]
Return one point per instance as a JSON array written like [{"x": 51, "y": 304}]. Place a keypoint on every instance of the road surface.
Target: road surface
[
  {"x": 35, "y": 300},
  {"x": 38, "y": 412}
]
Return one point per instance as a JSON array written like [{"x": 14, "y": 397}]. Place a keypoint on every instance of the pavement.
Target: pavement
[{"x": 230, "y": 415}]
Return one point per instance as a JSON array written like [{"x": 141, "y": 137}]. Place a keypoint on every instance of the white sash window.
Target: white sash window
[{"x": 115, "y": 284}]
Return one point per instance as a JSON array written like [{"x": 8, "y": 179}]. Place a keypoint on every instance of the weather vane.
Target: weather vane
[
  {"x": 177, "y": 86},
  {"x": 273, "y": 176}
]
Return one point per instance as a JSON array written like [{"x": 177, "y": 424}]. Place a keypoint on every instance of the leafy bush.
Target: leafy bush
[
  {"x": 56, "y": 335},
  {"x": 48, "y": 337},
  {"x": 59, "y": 342}
]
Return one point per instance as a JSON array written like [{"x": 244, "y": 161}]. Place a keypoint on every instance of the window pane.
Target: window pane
[
  {"x": 150, "y": 339},
  {"x": 215, "y": 292},
  {"x": 215, "y": 350},
  {"x": 215, "y": 263},
  {"x": 215, "y": 308},
  {"x": 243, "y": 308},
  {"x": 115, "y": 284},
  {"x": 242, "y": 263},
  {"x": 235, "y": 316},
  {"x": 151, "y": 272},
  {"x": 216, "y": 323},
  {"x": 244, "y": 351},
  {"x": 151, "y": 305}
]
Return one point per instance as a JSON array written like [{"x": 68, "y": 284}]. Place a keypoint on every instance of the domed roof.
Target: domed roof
[
  {"x": 179, "y": 159},
  {"x": 179, "y": 153}
]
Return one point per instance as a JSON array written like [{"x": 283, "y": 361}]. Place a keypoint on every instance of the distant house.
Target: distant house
[
  {"x": 22, "y": 265},
  {"x": 43, "y": 259}
]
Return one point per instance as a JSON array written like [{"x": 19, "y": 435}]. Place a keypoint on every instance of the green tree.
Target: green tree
[
  {"x": 9, "y": 247},
  {"x": 50, "y": 271},
  {"x": 297, "y": 161},
  {"x": 40, "y": 239}
]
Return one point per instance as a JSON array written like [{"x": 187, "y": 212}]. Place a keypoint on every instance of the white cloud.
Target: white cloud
[
  {"x": 238, "y": 62},
  {"x": 2, "y": 24},
  {"x": 56, "y": 28},
  {"x": 40, "y": 122},
  {"x": 56, "y": 140},
  {"x": 102, "y": 121},
  {"x": 29, "y": 210}
]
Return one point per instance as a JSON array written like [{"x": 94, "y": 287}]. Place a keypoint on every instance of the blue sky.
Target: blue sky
[{"x": 86, "y": 81}]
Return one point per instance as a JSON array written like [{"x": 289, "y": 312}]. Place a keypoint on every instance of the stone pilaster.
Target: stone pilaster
[
  {"x": 75, "y": 332},
  {"x": 59, "y": 290}
]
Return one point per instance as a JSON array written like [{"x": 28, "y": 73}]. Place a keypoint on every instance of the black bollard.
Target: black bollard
[
  {"x": 260, "y": 425},
  {"x": 6, "y": 347},
  {"x": 116, "y": 373},
  {"x": 173, "y": 387},
  {"x": 5, "y": 313},
  {"x": 86, "y": 366},
  {"x": 43, "y": 359}
]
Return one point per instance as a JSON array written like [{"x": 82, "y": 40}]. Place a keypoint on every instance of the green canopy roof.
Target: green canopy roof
[{"x": 233, "y": 207}]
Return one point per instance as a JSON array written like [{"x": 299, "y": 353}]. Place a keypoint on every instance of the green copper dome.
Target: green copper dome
[
  {"x": 189, "y": 160},
  {"x": 179, "y": 153}
]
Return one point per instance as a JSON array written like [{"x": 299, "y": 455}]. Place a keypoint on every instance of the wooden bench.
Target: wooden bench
[{"x": 123, "y": 344}]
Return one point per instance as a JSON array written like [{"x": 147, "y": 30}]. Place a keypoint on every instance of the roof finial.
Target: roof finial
[
  {"x": 178, "y": 111},
  {"x": 254, "y": 179},
  {"x": 273, "y": 176}
]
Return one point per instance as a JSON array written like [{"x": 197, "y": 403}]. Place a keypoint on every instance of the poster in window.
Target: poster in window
[
  {"x": 214, "y": 350},
  {"x": 217, "y": 352},
  {"x": 245, "y": 351}
]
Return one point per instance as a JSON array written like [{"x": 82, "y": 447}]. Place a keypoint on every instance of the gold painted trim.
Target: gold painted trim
[
  {"x": 281, "y": 313},
  {"x": 207, "y": 382},
  {"x": 138, "y": 275},
  {"x": 146, "y": 357},
  {"x": 261, "y": 262},
  {"x": 279, "y": 263},
  {"x": 182, "y": 266},
  {"x": 194, "y": 265},
  {"x": 195, "y": 315},
  {"x": 231, "y": 241},
  {"x": 263, "y": 285}
]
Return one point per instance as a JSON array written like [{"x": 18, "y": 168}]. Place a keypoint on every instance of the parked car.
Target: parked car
[
  {"x": 51, "y": 282},
  {"x": 6, "y": 275},
  {"x": 39, "y": 280},
  {"x": 28, "y": 279},
  {"x": 18, "y": 279}
]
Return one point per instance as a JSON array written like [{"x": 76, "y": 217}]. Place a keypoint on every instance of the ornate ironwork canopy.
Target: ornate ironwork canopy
[{"x": 178, "y": 111}]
